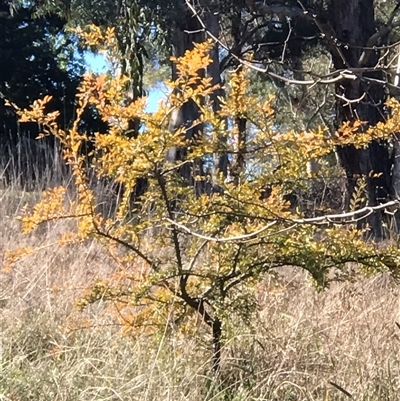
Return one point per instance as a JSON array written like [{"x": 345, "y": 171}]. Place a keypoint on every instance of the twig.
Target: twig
[{"x": 341, "y": 389}]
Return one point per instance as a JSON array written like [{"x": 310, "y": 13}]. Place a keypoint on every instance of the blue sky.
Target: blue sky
[{"x": 97, "y": 64}]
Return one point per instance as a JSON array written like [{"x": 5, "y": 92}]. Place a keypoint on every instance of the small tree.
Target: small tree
[{"x": 182, "y": 254}]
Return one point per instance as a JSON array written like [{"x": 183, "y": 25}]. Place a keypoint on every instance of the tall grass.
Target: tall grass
[{"x": 304, "y": 345}]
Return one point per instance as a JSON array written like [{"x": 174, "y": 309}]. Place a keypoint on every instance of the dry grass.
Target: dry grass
[{"x": 303, "y": 341}]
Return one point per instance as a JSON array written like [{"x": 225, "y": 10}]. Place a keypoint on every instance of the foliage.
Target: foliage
[
  {"x": 185, "y": 256},
  {"x": 139, "y": 26},
  {"x": 37, "y": 59}
]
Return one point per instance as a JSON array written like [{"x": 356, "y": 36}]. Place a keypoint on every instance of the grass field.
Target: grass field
[{"x": 340, "y": 344}]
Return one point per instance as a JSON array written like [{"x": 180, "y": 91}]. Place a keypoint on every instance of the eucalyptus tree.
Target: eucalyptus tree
[{"x": 356, "y": 41}]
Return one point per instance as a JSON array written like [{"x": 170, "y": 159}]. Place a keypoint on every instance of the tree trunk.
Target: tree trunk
[
  {"x": 221, "y": 161},
  {"x": 216, "y": 335},
  {"x": 185, "y": 32},
  {"x": 240, "y": 139},
  {"x": 353, "y": 24},
  {"x": 396, "y": 158}
]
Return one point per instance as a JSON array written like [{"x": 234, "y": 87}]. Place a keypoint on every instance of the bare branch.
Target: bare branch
[
  {"x": 349, "y": 217},
  {"x": 228, "y": 239},
  {"x": 340, "y": 218},
  {"x": 347, "y": 102}
]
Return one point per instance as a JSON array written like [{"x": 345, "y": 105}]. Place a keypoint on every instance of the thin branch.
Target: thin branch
[
  {"x": 317, "y": 112},
  {"x": 349, "y": 217},
  {"x": 347, "y": 102},
  {"x": 167, "y": 202},
  {"x": 340, "y": 218},
  {"x": 327, "y": 33},
  {"x": 196, "y": 255},
  {"x": 286, "y": 42},
  {"x": 340, "y": 388},
  {"x": 125, "y": 244},
  {"x": 227, "y": 239}
]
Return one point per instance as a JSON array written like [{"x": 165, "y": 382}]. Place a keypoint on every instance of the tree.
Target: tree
[
  {"x": 184, "y": 256},
  {"x": 136, "y": 23},
  {"x": 146, "y": 27},
  {"x": 358, "y": 46},
  {"x": 38, "y": 59},
  {"x": 354, "y": 23}
]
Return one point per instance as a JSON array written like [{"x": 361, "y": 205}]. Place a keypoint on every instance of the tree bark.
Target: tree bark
[
  {"x": 396, "y": 158},
  {"x": 353, "y": 24},
  {"x": 216, "y": 338}
]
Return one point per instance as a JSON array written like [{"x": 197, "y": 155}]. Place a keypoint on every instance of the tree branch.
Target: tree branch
[
  {"x": 377, "y": 36},
  {"x": 340, "y": 219}
]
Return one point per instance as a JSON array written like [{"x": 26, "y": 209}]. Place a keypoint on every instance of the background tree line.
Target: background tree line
[{"x": 327, "y": 62}]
